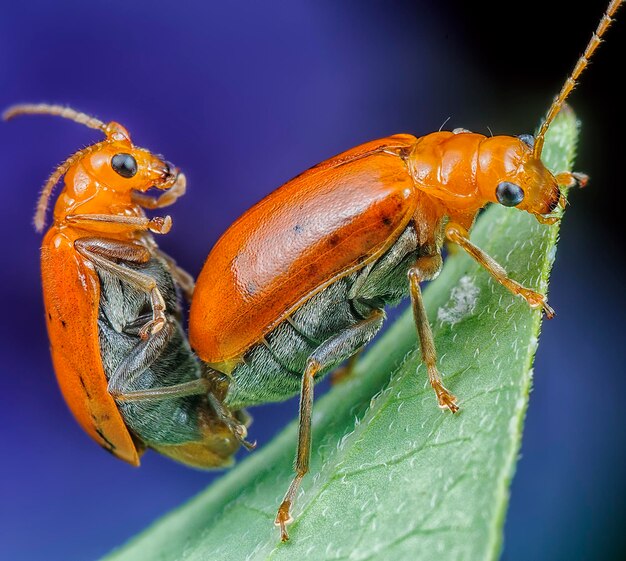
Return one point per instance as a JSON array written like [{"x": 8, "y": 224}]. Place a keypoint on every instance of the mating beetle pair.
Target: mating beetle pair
[{"x": 292, "y": 289}]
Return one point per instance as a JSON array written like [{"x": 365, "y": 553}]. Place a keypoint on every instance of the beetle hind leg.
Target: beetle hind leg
[
  {"x": 335, "y": 349},
  {"x": 345, "y": 373}
]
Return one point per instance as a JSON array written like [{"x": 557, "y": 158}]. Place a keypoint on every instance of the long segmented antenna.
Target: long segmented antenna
[
  {"x": 66, "y": 112},
  {"x": 572, "y": 79},
  {"x": 57, "y": 110}
]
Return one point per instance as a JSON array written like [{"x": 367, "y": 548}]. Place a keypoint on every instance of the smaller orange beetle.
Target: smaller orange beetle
[
  {"x": 298, "y": 283},
  {"x": 113, "y": 309}
]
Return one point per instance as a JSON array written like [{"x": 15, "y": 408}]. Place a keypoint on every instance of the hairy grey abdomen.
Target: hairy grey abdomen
[
  {"x": 166, "y": 421},
  {"x": 272, "y": 370}
]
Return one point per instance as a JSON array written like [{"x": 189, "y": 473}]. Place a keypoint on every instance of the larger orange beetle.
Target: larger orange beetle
[{"x": 298, "y": 284}]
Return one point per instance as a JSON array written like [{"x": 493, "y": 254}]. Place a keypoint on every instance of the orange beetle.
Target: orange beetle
[
  {"x": 113, "y": 310},
  {"x": 298, "y": 284}
]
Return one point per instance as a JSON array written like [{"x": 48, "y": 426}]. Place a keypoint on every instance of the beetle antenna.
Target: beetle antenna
[
  {"x": 573, "y": 78},
  {"x": 67, "y": 113},
  {"x": 44, "y": 198},
  {"x": 58, "y": 110}
]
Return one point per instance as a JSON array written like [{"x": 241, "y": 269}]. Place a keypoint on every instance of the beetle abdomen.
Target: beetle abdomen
[
  {"x": 272, "y": 370},
  {"x": 183, "y": 428}
]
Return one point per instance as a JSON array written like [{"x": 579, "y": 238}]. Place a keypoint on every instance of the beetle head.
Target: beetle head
[
  {"x": 121, "y": 166},
  {"x": 114, "y": 163},
  {"x": 510, "y": 174}
]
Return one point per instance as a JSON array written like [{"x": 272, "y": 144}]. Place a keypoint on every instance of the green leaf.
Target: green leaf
[{"x": 393, "y": 477}]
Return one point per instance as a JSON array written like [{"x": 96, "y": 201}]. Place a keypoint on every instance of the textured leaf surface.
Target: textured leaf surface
[{"x": 394, "y": 477}]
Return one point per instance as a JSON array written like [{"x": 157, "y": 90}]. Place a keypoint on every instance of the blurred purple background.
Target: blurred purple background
[{"x": 245, "y": 95}]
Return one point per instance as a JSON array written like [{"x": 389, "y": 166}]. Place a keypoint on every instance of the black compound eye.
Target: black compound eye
[
  {"x": 124, "y": 164},
  {"x": 527, "y": 139},
  {"x": 509, "y": 194}
]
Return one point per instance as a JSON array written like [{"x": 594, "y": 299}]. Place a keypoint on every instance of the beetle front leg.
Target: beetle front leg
[
  {"x": 156, "y": 225},
  {"x": 421, "y": 271},
  {"x": 184, "y": 280},
  {"x": 333, "y": 350},
  {"x": 101, "y": 252},
  {"x": 458, "y": 235}
]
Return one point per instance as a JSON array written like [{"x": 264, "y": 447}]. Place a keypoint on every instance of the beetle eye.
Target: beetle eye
[
  {"x": 509, "y": 194},
  {"x": 527, "y": 139},
  {"x": 124, "y": 165}
]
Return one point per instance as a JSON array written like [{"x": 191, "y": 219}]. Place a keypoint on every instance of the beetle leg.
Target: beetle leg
[
  {"x": 459, "y": 235},
  {"x": 419, "y": 272},
  {"x": 336, "y": 348},
  {"x": 183, "y": 278},
  {"x": 225, "y": 416},
  {"x": 345, "y": 372},
  {"x": 570, "y": 179},
  {"x": 157, "y": 225},
  {"x": 140, "y": 358},
  {"x": 101, "y": 251}
]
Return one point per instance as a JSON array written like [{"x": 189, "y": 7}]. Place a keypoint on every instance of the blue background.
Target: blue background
[{"x": 243, "y": 96}]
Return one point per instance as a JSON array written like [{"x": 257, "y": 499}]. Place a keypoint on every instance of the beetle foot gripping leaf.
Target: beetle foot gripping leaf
[
  {"x": 445, "y": 399},
  {"x": 398, "y": 479}
]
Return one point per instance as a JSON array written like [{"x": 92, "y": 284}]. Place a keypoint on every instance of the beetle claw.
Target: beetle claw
[
  {"x": 447, "y": 401},
  {"x": 151, "y": 328}
]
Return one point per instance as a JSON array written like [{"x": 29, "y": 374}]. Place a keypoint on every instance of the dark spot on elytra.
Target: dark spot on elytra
[
  {"x": 82, "y": 383},
  {"x": 64, "y": 324},
  {"x": 297, "y": 229},
  {"x": 109, "y": 445},
  {"x": 49, "y": 316},
  {"x": 334, "y": 240},
  {"x": 387, "y": 221}
]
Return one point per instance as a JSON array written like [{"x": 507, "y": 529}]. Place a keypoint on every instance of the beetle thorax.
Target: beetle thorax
[
  {"x": 462, "y": 171},
  {"x": 444, "y": 166}
]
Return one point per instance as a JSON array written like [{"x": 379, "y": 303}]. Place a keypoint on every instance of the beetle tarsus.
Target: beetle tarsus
[
  {"x": 240, "y": 432},
  {"x": 548, "y": 311},
  {"x": 160, "y": 224},
  {"x": 537, "y": 300},
  {"x": 446, "y": 399},
  {"x": 152, "y": 327},
  {"x": 581, "y": 179},
  {"x": 571, "y": 179},
  {"x": 283, "y": 518}
]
